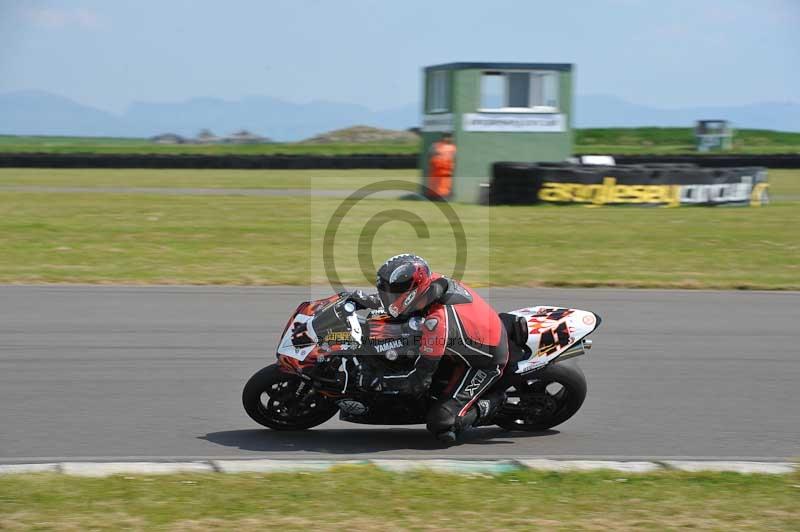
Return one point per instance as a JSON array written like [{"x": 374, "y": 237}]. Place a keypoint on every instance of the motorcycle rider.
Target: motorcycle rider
[{"x": 457, "y": 323}]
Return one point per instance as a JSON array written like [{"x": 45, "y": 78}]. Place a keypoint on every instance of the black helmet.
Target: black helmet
[{"x": 402, "y": 283}]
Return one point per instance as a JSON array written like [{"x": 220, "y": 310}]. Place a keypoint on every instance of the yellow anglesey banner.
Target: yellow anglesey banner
[{"x": 610, "y": 192}]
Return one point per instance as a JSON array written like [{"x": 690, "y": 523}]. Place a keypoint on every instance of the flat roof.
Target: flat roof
[{"x": 566, "y": 67}]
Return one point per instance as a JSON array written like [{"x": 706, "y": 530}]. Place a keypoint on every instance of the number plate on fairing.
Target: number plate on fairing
[
  {"x": 553, "y": 330},
  {"x": 287, "y": 348}
]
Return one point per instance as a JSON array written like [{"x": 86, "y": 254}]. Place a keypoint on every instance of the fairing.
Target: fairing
[{"x": 552, "y": 331}]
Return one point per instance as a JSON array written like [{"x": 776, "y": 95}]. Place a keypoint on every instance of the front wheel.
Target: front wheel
[
  {"x": 543, "y": 399},
  {"x": 282, "y": 401}
]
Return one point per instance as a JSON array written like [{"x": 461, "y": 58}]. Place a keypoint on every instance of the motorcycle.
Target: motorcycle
[{"x": 328, "y": 345}]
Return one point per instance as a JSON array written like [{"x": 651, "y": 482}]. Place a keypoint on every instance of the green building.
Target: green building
[{"x": 496, "y": 112}]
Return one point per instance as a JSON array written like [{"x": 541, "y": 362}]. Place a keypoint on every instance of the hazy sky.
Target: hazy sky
[{"x": 666, "y": 53}]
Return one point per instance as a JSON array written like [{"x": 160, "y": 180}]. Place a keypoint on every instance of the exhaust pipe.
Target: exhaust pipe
[{"x": 576, "y": 350}]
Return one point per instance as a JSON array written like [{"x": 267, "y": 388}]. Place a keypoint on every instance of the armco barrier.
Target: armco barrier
[
  {"x": 641, "y": 184},
  {"x": 336, "y": 162},
  {"x": 246, "y": 162}
]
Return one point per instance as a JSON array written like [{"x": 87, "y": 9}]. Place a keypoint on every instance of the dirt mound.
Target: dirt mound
[{"x": 363, "y": 135}]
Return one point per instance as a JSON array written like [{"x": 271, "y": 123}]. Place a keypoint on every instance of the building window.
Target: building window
[
  {"x": 438, "y": 92},
  {"x": 518, "y": 91}
]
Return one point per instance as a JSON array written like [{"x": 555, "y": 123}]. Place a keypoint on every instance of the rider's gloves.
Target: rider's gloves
[{"x": 362, "y": 299}]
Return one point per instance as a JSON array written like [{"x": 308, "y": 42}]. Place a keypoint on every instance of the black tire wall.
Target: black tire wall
[
  {"x": 520, "y": 183},
  {"x": 306, "y": 162}
]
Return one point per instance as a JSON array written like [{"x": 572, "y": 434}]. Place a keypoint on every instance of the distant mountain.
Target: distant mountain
[
  {"x": 42, "y": 113},
  {"x": 267, "y": 116},
  {"x": 599, "y": 110}
]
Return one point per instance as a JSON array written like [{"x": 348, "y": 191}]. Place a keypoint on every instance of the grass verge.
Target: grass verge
[
  {"x": 365, "y": 498},
  {"x": 219, "y": 179},
  {"x": 128, "y": 238},
  {"x": 48, "y": 144},
  {"x": 783, "y": 183}
]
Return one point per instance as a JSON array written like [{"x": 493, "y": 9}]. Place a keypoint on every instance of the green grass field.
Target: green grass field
[
  {"x": 45, "y": 144},
  {"x": 783, "y": 183},
  {"x": 673, "y": 140},
  {"x": 218, "y": 179},
  {"x": 137, "y": 238},
  {"x": 652, "y": 140},
  {"x": 364, "y": 498}
]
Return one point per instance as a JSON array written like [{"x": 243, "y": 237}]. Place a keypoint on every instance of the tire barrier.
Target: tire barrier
[
  {"x": 246, "y": 162},
  {"x": 787, "y": 160},
  {"x": 641, "y": 184},
  {"x": 318, "y": 162}
]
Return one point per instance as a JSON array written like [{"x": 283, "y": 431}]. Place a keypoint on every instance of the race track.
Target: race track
[{"x": 156, "y": 373}]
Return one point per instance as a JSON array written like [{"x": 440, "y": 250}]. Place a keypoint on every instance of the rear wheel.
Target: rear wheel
[
  {"x": 283, "y": 401},
  {"x": 543, "y": 399}
]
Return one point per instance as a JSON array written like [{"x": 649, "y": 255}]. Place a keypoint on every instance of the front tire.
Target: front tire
[
  {"x": 543, "y": 399},
  {"x": 283, "y": 401}
]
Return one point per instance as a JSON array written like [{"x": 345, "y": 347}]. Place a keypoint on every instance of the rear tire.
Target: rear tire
[
  {"x": 532, "y": 405},
  {"x": 270, "y": 399}
]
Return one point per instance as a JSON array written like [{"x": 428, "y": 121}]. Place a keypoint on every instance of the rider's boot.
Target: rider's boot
[
  {"x": 448, "y": 437},
  {"x": 480, "y": 415},
  {"x": 488, "y": 406}
]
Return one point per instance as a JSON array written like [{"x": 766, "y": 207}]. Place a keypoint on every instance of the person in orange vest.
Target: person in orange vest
[{"x": 441, "y": 161}]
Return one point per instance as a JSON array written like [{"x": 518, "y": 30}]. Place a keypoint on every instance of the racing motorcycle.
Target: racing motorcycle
[{"x": 328, "y": 345}]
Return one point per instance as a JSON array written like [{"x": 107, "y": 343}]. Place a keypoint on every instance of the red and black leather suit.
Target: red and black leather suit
[{"x": 458, "y": 323}]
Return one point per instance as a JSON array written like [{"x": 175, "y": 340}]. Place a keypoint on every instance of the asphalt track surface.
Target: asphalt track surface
[{"x": 124, "y": 373}]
